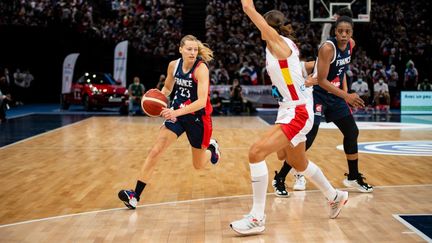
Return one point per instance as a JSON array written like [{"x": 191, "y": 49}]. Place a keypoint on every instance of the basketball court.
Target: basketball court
[
  {"x": 62, "y": 184},
  {"x": 60, "y": 173}
]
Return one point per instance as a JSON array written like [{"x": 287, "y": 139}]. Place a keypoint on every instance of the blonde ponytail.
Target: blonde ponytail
[{"x": 205, "y": 52}]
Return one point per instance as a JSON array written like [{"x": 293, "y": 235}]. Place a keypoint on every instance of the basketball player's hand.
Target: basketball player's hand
[
  {"x": 311, "y": 81},
  {"x": 354, "y": 100},
  {"x": 169, "y": 114}
]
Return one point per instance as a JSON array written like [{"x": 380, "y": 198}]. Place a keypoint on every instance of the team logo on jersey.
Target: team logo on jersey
[
  {"x": 318, "y": 109},
  {"x": 336, "y": 82},
  {"x": 186, "y": 103},
  {"x": 302, "y": 87},
  {"x": 276, "y": 94},
  {"x": 405, "y": 148}
]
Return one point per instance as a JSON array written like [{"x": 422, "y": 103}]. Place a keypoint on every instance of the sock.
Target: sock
[
  {"x": 284, "y": 170},
  {"x": 139, "y": 188},
  {"x": 353, "y": 169},
  {"x": 314, "y": 173},
  {"x": 259, "y": 175}
]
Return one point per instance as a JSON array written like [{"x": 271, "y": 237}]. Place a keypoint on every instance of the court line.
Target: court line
[
  {"x": 170, "y": 203},
  {"x": 44, "y": 133},
  {"x": 411, "y": 227},
  {"x": 263, "y": 121}
]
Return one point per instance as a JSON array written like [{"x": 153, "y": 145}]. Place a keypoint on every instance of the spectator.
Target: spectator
[
  {"x": 136, "y": 91},
  {"x": 216, "y": 102},
  {"x": 393, "y": 80},
  {"x": 362, "y": 89},
  {"x": 18, "y": 77},
  {"x": 7, "y": 76},
  {"x": 378, "y": 72},
  {"x": 236, "y": 97},
  {"x": 411, "y": 76},
  {"x": 381, "y": 95},
  {"x": 161, "y": 82},
  {"x": 424, "y": 86}
]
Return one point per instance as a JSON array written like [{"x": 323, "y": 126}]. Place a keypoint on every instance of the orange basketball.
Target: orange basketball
[{"x": 153, "y": 101}]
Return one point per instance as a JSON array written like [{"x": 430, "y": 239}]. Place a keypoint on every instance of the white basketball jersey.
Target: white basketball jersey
[{"x": 286, "y": 76}]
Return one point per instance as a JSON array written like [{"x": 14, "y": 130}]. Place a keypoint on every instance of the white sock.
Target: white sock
[
  {"x": 259, "y": 175},
  {"x": 294, "y": 172},
  {"x": 314, "y": 173}
]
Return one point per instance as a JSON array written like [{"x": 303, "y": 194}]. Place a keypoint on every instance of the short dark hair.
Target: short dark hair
[{"x": 344, "y": 19}]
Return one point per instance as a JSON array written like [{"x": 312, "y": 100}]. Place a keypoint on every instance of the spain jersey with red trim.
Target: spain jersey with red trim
[
  {"x": 186, "y": 88},
  {"x": 288, "y": 83}
]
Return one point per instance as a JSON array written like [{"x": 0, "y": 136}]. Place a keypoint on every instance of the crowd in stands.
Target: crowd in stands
[
  {"x": 401, "y": 33},
  {"x": 152, "y": 26}
]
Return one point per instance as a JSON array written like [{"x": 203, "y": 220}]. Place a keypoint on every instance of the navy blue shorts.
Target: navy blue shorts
[
  {"x": 198, "y": 129},
  {"x": 330, "y": 106}
]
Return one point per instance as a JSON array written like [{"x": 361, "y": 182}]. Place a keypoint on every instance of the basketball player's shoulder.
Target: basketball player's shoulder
[
  {"x": 172, "y": 65},
  {"x": 174, "y": 62},
  {"x": 327, "y": 47},
  {"x": 201, "y": 65}
]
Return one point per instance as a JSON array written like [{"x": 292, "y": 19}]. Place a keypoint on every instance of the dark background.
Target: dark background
[{"x": 42, "y": 51}]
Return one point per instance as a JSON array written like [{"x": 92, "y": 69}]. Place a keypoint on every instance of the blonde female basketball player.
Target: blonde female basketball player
[
  {"x": 294, "y": 120},
  {"x": 188, "y": 77}
]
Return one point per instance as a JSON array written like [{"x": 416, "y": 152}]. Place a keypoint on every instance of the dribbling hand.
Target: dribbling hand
[
  {"x": 355, "y": 101},
  {"x": 169, "y": 114}
]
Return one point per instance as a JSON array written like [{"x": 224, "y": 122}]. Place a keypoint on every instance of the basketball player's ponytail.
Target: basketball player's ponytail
[
  {"x": 204, "y": 51},
  {"x": 288, "y": 31}
]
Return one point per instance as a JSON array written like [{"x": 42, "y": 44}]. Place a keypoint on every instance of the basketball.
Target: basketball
[{"x": 153, "y": 101}]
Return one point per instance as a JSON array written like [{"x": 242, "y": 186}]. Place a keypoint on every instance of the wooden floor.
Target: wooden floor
[{"x": 62, "y": 186}]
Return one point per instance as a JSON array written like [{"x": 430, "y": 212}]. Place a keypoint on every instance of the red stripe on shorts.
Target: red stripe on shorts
[
  {"x": 208, "y": 128},
  {"x": 297, "y": 123}
]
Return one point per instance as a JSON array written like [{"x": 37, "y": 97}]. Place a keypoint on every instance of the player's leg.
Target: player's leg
[
  {"x": 202, "y": 156},
  {"x": 319, "y": 107},
  {"x": 312, "y": 172},
  {"x": 167, "y": 135},
  {"x": 349, "y": 129},
  {"x": 204, "y": 149},
  {"x": 299, "y": 180},
  {"x": 272, "y": 141}
]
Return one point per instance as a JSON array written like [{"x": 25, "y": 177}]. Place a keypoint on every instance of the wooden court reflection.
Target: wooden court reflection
[{"x": 80, "y": 168}]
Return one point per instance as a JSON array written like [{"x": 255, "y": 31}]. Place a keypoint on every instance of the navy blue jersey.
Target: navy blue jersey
[
  {"x": 186, "y": 88},
  {"x": 338, "y": 66}
]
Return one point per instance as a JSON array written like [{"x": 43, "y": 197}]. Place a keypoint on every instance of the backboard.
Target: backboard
[{"x": 324, "y": 10}]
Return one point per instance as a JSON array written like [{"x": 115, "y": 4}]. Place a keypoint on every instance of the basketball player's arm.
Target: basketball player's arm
[
  {"x": 268, "y": 33},
  {"x": 345, "y": 84},
  {"x": 169, "y": 81},
  {"x": 307, "y": 68},
  {"x": 325, "y": 55},
  {"x": 202, "y": 76}
]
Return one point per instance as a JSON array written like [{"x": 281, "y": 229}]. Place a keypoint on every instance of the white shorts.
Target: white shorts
[{"x": 296, "y": 121}]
